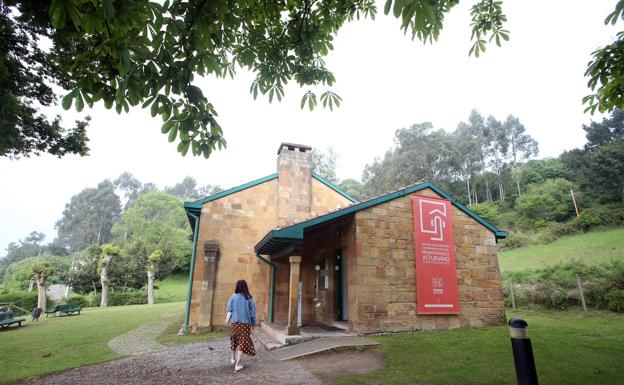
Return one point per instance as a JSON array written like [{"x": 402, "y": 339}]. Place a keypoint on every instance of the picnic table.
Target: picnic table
[
  {"x": 7, "y": 319},
  {"x": 64, "y": 309}
]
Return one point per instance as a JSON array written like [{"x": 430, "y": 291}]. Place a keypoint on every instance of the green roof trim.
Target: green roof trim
[
  {"x": 295, "y": 232},
  {"x": 334, "y": 187},
  {"x": 198, "y": 204}
]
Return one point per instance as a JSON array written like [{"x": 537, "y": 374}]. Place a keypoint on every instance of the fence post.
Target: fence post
[
  {"x": 513, "y": 300},
  {"x": 522, "y": 352},
  {"x": 580, "y": 288}
]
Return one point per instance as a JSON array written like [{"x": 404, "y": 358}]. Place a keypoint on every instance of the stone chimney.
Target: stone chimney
[{"x": 294, "y": 185}]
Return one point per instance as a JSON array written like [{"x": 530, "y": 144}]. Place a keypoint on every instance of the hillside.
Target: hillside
[{"x": 592, "y": 247}]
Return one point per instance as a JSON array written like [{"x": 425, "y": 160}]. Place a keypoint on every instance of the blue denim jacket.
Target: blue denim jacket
[{"x": 243, "y": 310}]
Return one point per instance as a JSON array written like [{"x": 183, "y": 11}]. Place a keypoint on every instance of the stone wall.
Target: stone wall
[
  {"x": 383, "y": 293},
  {"x": 294, "y": 187},
  {"x": 237, "y": 222}
]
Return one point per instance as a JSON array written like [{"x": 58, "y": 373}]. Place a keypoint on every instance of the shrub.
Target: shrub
[
  {"x": 78, "y": 300},
  {"x": 609, "y": 215},
  {"x": 555, "y": 286},
  {"x": 130, "y": 297},
  {"x": 488, "y": 211},
  {"x": 24, "y": 299}
]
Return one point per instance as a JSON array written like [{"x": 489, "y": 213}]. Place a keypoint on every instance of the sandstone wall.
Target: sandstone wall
[
  {"x": 383, "y": 292},
  {"x": 237, "y": 221}
]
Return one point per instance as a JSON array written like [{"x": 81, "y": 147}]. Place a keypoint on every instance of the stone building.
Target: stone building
[{"x": 312, "y": 254}]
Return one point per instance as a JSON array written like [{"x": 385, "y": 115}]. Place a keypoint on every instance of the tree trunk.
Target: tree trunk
[
  {"x": 105, "y": 281},
  {"x": 468, "y": 190},
  {"x": 41, "y": 292},
  {"x": 150, "y": 285},
  {"x": 518, "y": 181}
]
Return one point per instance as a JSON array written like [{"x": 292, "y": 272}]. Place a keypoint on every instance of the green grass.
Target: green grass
[
  {"x": 592, "y": 247},
  {"x": 172, "y": 289},
  {"x": 55, "y": 344},
  {"x": 570, "y": 348}
]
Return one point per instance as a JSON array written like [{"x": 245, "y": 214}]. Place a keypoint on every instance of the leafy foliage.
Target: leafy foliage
[
  {"x": 324, "y": 163},
  {"x": 126, "y": 53},
  {"x": 156, "y": 221},
  {"x": 89, "y": 217},
  {"x": 27, "y": 74},
  {"x": 547, "y": 201}
]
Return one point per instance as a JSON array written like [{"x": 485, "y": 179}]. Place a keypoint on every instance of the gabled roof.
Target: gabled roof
[
  {"x": 196, "y": 206},
  {"x": 280, "y": 237}
]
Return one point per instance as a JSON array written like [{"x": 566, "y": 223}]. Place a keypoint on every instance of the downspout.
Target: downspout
[
  {"x": 272, "y": 289},
  {"x": 191, "y": 273}
]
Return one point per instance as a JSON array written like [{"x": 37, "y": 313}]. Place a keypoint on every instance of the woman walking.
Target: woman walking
[{"x": 242, "y": 316}]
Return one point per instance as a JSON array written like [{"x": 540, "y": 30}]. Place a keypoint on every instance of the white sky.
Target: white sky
[{"x": 386, "y": 82}]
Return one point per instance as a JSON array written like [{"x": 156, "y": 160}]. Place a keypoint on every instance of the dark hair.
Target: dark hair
[{"x": 241, "y": 288}]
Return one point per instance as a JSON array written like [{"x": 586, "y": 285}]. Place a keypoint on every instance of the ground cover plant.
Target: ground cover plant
[
  {"x": 60, "y": 343},
  {"x": 570, "y": 348},
  {"x": 593, "y": 247}
]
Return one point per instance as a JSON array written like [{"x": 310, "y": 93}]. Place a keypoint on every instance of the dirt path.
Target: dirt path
[{"x": 198, "y": 363}]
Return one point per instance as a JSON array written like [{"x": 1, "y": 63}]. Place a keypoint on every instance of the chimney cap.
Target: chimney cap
[{"x": 293, "y": 146}]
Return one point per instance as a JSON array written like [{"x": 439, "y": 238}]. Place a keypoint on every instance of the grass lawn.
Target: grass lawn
[
  {"x": 55, "y": 344},
  {"x": 570, "y": 348},
  {"x": 592, "y": 247},
  {"x": 172, "y": 289}
]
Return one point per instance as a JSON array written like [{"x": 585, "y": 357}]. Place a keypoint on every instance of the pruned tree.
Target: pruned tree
[
  {"x": 41, "y": 272},
  {"x": 152, "y": 266},
  {"x": 108, "y": 253}
]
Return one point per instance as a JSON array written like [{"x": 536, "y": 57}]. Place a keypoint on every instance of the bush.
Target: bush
[
  {"x": 555, "y": 286},
  {"x": 488, "y": 211},
  {"x": 609, "y": 215},
  {"x": 130, "y": 297},
  {"x": 78, "y": 300},
  {"x": 24, "y": 299}
]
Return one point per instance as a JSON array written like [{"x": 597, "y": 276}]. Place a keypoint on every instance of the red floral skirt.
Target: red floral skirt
[{"x": 241, "y": 338}]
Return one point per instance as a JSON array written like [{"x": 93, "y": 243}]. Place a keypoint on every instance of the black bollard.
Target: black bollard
[{"x": 522, "y": 352}]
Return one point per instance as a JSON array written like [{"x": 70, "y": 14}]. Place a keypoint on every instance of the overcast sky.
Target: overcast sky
[{"x": 386, "y": 81}]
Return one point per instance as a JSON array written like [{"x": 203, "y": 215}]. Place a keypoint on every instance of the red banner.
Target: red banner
[{"x": 434, "y": 243}]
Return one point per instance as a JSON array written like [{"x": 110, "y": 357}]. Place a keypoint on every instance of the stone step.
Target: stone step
[
  {"x": 267, "y": 340},
  {"x": 320, "y": 345}
]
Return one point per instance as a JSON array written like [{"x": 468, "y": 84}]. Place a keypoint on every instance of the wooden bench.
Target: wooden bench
[
  {"x": 6, "y": 319},
  {"x": 65, "y": 309}
]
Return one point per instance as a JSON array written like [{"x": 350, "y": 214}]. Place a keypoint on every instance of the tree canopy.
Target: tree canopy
[{"x": 129, "y": 53}]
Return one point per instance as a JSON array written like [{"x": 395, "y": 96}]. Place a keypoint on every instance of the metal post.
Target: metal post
[{"x": 522, "y": 352}]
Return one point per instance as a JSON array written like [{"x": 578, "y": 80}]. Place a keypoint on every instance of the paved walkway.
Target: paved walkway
[
  {"x": 198, "y": 363},
  {"x": 140, "y": 340},
  {"x": 320, "y": 345}
]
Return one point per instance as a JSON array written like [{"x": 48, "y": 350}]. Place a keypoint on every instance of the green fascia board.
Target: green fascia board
[
  {"x": 334, "y": 187},
  {"x": 295, "y": 231},
  {"x": 198, "y": 204}
]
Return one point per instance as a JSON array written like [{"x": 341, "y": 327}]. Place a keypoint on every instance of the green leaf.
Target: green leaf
[
  {"x": 79, "y": 102},
  {"x": 58, "y": 14},
  {"x": 172, "y": 134},
  {"x": 183, "y": 147},
  {"x": 67, "y": 100},
  {"x": 166, "y": 127},
  {"x": 387, "y": 7}
]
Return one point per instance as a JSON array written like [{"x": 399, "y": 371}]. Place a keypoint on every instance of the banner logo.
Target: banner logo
[{"x": 434, "y": 245}]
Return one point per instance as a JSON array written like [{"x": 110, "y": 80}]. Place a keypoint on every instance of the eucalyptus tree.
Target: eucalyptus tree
[
  {"x": 521, "y": 145},
  {"x": 499, "y": 150},
  {"x": 153, "y": 260},
  {"x": 41, "y": 271},
  {"x": 89, "y": 217}
]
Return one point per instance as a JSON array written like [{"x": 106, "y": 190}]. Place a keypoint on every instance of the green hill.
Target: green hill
[{"x": 593, "y": 247}]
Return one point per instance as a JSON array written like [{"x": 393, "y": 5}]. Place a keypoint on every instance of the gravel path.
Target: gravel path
[
  {"x": 198, "y": 363},
  {"x": 140, "y": 340}
]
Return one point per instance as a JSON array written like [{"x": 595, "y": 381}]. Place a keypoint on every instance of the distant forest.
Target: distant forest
[{"x": 132, "y": 231}]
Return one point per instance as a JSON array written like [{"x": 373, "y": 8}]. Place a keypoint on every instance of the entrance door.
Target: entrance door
[{"x": 340, "y": 287}]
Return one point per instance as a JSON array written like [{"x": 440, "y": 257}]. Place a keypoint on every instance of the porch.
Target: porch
[{"x": 310, "y": 282}]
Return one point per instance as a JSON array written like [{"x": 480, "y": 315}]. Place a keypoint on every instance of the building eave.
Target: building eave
[{"x": 295, "y": 231}]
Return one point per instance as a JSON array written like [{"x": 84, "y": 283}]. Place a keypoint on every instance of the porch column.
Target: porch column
[{"x": 295, "y": 263}]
